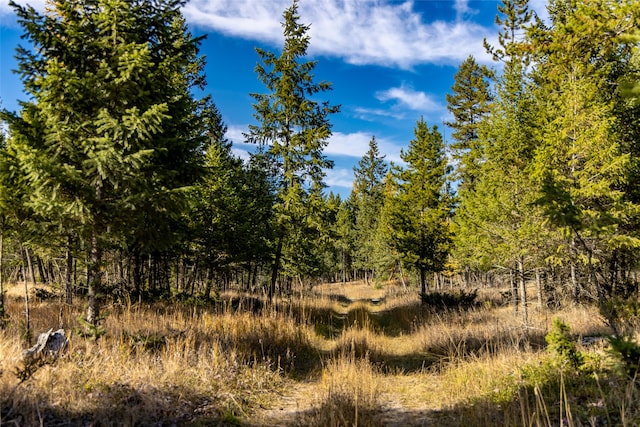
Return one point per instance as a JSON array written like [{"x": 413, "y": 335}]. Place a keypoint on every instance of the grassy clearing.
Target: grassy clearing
[{"x": 317, "y": 359}]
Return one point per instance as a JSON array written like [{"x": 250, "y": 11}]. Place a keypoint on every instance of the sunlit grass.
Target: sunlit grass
[{"x": 224, "y": 363}]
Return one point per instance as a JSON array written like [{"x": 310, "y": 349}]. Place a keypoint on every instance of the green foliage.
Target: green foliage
[
  {"x": 469, "y": 103},
  {"x": 450, "y": 300},
  {"x": 110, "y": 137},
  {"x": 496, "y": 224},
  {"x": 367, "y": 199},
  {"x": 627, "y": 351},
  {"x": 90, "y": 329},
  {"x": 419, "y": 203},
  {"x": 292, "y": 131},
  {"x": 562, "y": 347}
]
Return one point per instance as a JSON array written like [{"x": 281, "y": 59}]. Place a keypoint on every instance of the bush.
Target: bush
[
  {"x": 561, "y": 347},
  {"x": 450, "y": 300},
  {"x": 628, "y": 352}
]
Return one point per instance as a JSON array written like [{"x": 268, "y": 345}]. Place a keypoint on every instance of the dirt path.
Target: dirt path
[
  {"x": 296, "y": 399},
  {"x": 401, "y": 405}
]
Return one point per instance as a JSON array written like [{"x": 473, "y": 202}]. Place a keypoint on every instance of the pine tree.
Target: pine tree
[
  {"x": 496, "y": 225},
  {"x": 110, "y": 135},
  {"x": 580, "y": 165},
  {"x": 293, "y": 130},
  {"x": 368, "y": 198},
  {"x": 419, "y": 210},
  {"x": 469, "y": 105}
]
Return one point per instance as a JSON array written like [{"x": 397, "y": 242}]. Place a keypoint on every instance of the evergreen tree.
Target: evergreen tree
[
  {"x": 345, "y": 239},
  {"x": 111, "y": 133},
  {"x": 419, "y": 210},
  {"x": 293, "y": 130},
  {"x": 496, "y": 225},
  {"x": 580, "y": 165},
  {"x": 469, "y": 104},
  {"x": 367, "y": 199}
]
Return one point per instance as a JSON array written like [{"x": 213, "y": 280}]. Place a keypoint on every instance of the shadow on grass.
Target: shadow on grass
[
  {"x": 583, "y": 404},
  {"x": 121, "y": 405}
]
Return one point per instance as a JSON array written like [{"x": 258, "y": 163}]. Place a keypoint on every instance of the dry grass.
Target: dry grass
[
  {"x": 150, "y": 367},
  {"x": 160, "y": 364}
]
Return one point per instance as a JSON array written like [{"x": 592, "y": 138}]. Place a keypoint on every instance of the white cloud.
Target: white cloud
[
  {"x": 348, "y": 144},
  {"x": 339, "y": 177},
  {"x": 462, "y": 8},
  {"x": 373, "y": 114},
  {"x": 540, "y": 7},
  {"x": 235, "y": 134},
  {"x": 356, "y": 145},
  {"x": 358, "y": 31},
  {"x": 5, "y": 9},
  {"x": 241, "y": 154},
  {"x": 408, "y": 97},
  {"x": 340, "y": 144}
]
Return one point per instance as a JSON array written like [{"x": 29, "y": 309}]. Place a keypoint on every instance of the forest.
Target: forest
[{"x": 125, "y": 218}]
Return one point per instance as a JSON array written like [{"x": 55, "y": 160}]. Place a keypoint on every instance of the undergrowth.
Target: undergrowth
[{"x": 223, "y": 362}]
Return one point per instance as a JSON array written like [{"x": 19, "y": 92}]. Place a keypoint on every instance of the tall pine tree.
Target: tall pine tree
[
  {"x": 111, "y": 132},
  {"x": 293, "y": 129},
  {"x": 368, "y": 198},
  {"x": 419, "y": 210},
  {"x": 469, "y": 103}
]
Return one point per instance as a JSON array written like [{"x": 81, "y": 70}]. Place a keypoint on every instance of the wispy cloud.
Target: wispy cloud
[
  {"x": 356, "y": 145},
  {"x": 540, "y": 7},
  {"x": 339, "y": 177},
  {"x": 348, "y": 144},
  {"x": 373, "y": 114},
  {"x": 235, "y": 133},
  {"x": 353, "y": 144},
  {"x": 358, "y": 31},
  {"x": 380, "y": 32},
  {"x": 409, "y": 98},
  {"x": 462, "y": 9},
  {"x": 5, "y": 9}
]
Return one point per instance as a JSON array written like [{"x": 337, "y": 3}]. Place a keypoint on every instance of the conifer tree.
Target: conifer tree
[
  {"x": 469, "y": 103},
  {"x": 345, "y": 240},
  {"x": 496, "y": 224},
  {"x": 368, "y": 198},
  {"x": 111, "y": 133},
  {"x": 580, "y": 165},
  {"x": 420, "y": 208},
  {"x": 293, "y": 129}
]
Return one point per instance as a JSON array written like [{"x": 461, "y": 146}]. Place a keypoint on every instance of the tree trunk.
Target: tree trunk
[
  {"x": 274, "y": 271},
  {"x": 514, "y": 293},
  {"x": 523, "y": 292},
  {"x": 26, "y": 295},
  {"x": 137, "y": 273},
  {"x": 208, "y": 281},
  {"x": 43, "y": 276},
  {"x": 575, "y": 289},
  {"x": 68, "y": 279},
  {"x": 423, "y": 283},
  {"x": 32, "y": 271},
  {"x": 539, "y": 288},
  {"x": 94, "y": 278},
  {"x": 2, "y": 309}
]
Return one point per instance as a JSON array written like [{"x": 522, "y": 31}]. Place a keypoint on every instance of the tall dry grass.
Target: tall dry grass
[
  {"x": 150, "y": 367},
  {"x": 163, "y": 364}
]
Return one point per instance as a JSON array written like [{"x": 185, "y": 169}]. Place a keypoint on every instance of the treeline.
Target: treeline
[{"x": 116, "y": 179}]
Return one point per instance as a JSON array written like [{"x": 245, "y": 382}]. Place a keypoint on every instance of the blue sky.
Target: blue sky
[{"x": 390, "y": 63}]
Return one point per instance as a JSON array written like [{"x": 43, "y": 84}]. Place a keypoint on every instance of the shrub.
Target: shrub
[
  {"x": 628, "y": 352},
  {"x": 561, "y": 347},
  {"x": 450, "y": 300}
]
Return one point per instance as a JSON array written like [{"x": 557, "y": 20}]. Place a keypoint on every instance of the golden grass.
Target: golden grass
[
  {"x": 164, "y": 364},
  {"x": 150, "y": 367}
]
